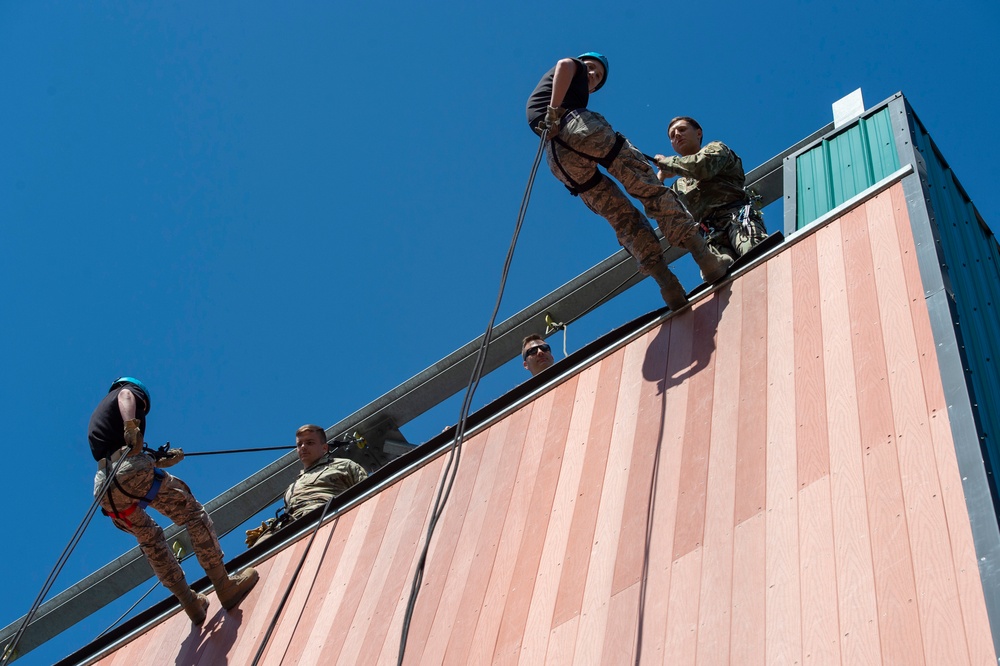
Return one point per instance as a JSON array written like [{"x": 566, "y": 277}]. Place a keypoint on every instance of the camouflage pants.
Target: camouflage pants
[
  {"x": 174, "y": 501},
  {"x": 589, "y": 133}
]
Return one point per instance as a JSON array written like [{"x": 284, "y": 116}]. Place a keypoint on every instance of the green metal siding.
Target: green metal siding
[
  {"x": 844, "y": 165},
  {"x": 972, "y": 267}
]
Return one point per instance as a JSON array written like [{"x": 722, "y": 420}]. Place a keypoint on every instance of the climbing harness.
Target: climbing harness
[
  {"x": 141, "y": 502},
  {"x": 576, "y": 188}
]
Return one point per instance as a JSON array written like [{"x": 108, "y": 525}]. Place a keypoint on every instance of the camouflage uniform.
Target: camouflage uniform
[
  {"x": 175, "y": 501},
  {"x": 589, "y": 133},
  {"x": 327, "y": 478},
  {"x": 711, "y": 186}
]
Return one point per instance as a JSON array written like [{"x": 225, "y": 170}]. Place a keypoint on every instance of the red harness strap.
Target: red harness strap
[{"x": 122, "y": 515}]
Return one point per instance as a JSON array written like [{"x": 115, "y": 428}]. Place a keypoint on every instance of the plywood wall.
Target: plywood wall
[{"x": 767, "y": 478}]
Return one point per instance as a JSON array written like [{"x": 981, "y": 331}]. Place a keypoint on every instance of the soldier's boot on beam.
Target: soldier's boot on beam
[
  {"x": 231, "y": 590},
  {"x": 671, "y": 288},
  {"x": 194, "y": 604},
  {"x": 713, "y": 265}
]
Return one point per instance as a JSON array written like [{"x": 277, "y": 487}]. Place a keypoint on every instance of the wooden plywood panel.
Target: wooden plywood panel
[
  {"x": 975, "y": 619},
  {"x": 820, "y": 630},
  {"x": 442, "y": 548},
  {"x": 681, "y": 646},
  {"x": 767, "y": 477},
  {"x": 715, "y": 606},
  {"x": 600, "y": 573},
  {"x": 690, "y": 529},
  {"x": 654, "y": 595},
  {"x": 899, "y": 624},
  {"x": 466, "y": 538},
  {"x": 751, "y": 445},
  {"x": 324, "y": 552},
  {"x": 576, "y": 558},
  {"x": 535, "y": 613},
  {"x": 255, "y": 612},
  {"x": 855, "y": 578},
  {"x": 633, "y": 548},
  {"x": 747, "y": 640},
  {"x": 510, "y": 539},
  {"x": 473, "y": 596},
  {"x": 385, "y": 626},
  {"x": 817, "y": 573},
  {"x": 355, "y": 569},
  {"x": 783, "y": 640},
  {"x": 390, "y": 565},
  {"x": 937, "y": 595},
  {"x": 512, "y": 627},
  {"x": 812, "y": 449}
]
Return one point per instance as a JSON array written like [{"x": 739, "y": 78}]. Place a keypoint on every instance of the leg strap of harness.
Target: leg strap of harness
[
  {"x": 575, "y": 188},
  {"x": 605, "y": 161},
  {"x": 142, "y": 502}
]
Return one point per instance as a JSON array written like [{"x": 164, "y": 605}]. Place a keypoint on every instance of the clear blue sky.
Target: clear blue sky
[{"x": 275, "y": 213}]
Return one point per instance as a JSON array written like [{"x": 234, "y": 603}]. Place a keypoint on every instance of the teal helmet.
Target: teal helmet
[
  {"x": 599, "y": 57},
  {"x": 135, "y": 383}
]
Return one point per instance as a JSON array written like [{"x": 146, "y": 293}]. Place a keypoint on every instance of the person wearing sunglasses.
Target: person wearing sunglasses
[{"x": 536, "y": 354}]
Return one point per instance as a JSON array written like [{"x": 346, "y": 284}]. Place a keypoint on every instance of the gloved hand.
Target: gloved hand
[
  {"x": 133, "y": 436},
  {"x": 553, "y": 117},
  {"x": 662, "y": 161},
  {"x": 173, "y": 457}
]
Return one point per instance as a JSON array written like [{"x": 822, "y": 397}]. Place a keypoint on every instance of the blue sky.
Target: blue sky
[{"x": 275, "y": 213}]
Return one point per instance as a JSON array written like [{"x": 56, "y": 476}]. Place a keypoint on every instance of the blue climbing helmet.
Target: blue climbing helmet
[
  {"x": 599, "y": 57},
  {"x": 135, "y": 383}
]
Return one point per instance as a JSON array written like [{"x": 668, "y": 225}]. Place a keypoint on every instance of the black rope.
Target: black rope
[
  {"x": 291, "y": 583},
  {"x": 131, "y": 608},
  {"x": 8, "y": 650},
  {"x": 216, "y": 453},
  {"x": 454, "y": 457}
]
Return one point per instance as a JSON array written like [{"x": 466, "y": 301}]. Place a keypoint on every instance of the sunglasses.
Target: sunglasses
[{"x": 535, "y": 350}]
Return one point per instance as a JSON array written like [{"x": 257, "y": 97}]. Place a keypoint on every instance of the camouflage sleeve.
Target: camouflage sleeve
[{"x": 703, "y": 165}]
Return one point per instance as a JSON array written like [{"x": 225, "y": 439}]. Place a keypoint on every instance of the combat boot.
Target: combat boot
[
  {"x": 671, "y": 288},
  {"x": 231, "y": 590},
  {"x": 712, "y": 263},
  {"x": 194, "y": 604}
]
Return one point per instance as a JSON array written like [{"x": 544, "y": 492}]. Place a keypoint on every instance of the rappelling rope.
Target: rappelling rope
[
  {"x": 9, "y": 649},
  {"x": 451, "y": 467},
  {"x": 276, "y": 616}
]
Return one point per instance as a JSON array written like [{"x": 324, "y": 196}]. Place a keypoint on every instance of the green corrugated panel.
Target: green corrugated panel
[
  {"x": 812, "y": 189},
  {"x": 839, "y": 168},
  {"x": 882, "y": 145},
  {"x": 972, "y": 258}
]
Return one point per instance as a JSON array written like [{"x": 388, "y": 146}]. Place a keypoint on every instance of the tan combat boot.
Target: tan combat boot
[
  {"x": 671, "y": 288},
  {"x": 713, "y": 265},
  {"x": 231, "y": 590},
  {"x": 194, "y": 604}
]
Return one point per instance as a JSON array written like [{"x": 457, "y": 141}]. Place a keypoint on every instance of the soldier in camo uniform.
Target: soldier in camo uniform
[
  {"x": 116, "y": 429},
  {"x": 580, "y": 140},
  {"x": 711, "y": 186},
  {"x": 323, "y": 477}
]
